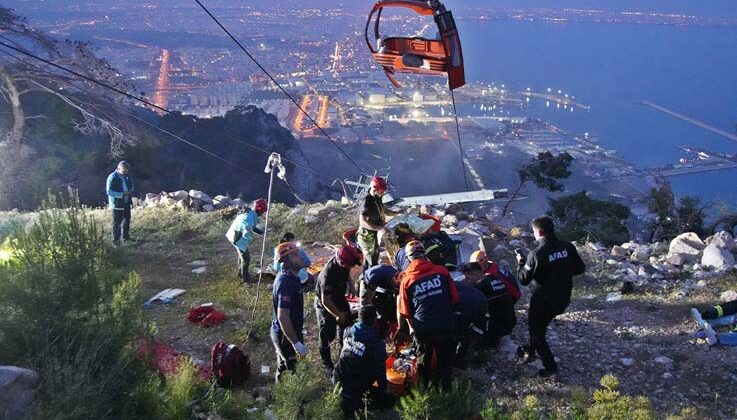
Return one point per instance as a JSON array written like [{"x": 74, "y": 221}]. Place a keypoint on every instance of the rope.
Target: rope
[
  {"x": 299, "y": 107},
  {"x": 460, "y": 145}
]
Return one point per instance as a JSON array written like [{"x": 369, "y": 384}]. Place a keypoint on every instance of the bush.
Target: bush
[
  {"x": 583, "y": 218},
  {"x": 610, "y": 404},
  {"x": 306, "y": 394},
  {"x": 458, "y": 402},
  {"x": 70, "y": 316}
]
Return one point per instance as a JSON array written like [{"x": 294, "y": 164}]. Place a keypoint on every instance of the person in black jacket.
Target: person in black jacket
[
  {"x": 552, "y": 266},
  {"x": 362, "y": 363}
]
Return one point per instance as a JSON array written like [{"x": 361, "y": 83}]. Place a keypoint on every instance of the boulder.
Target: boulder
[
  {"x": 688, "y": 245},
  {"x": 179, "y": 195},
  {"x": 152, "y": 199},
  {"x": 722, "y": 240},
  {"x": 676, "y": 259},
  {"x": 641, "y": 254},
  {"x": 17, "y": 389},
  {"x": 619, "y": 253},
  {"x": 221, "y": 201},
  {"x": 717, "y": 258},
  {"x": 238, "y": 203},
  {"x": 199, "y": 195},
  {"x": 332, "y": 203},
  {"x": 596, "y": 246},
  {"x": 208, "y": 207},
  {"x": 648, "y": 270}
]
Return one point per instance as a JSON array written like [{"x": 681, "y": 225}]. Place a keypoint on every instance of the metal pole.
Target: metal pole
[{"x": 263, "y": 243}]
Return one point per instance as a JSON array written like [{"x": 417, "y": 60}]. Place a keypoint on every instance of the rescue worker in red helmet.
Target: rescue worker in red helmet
[
  {"x": 331, "y": 306},
  {"x": 372, "y": 221},
  {"x": 241, "y": 233},
  {"x": 427, "y": 295}
]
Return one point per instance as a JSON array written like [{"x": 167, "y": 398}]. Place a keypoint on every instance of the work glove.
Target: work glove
[{"x": 300, "y": 348}]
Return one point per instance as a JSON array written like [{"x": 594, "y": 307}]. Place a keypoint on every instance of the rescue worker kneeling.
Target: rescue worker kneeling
[
  {"x": 361, "y": 370},
  {"x": 427, "y": 294}
]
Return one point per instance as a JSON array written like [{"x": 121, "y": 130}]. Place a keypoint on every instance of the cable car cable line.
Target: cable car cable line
[
  {"x": 131, "y": 96},
  {"x": 132, "y": 115},
  {"x": 284, "y": 91}
]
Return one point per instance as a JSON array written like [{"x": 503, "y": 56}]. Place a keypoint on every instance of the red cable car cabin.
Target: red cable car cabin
[{"x": 438, "y": 57}]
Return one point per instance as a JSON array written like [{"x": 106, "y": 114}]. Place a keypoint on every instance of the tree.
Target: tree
[
  {"x": 20, "y": 76},
  {"x": 580, "y": 218},
  {"x": 545, "y": 170},
  {"x": 671, "y": 219}
]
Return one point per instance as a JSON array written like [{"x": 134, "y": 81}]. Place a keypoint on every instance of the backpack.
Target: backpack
[
  {"x": 440, "y": 249},
  {"x": 230, "y": 366}
]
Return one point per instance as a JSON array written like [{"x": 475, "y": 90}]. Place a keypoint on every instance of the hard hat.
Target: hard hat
[
  {"x": 348, "y": 256},
  {"x": 284, "y": 249},
  {"x": 260, "y": 206},
  {"x": 378, "y": 183},
  {"x": 476, "y": 256}
]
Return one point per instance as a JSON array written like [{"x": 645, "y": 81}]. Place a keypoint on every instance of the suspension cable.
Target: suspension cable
[
  {"x": 460, "y": 145},
  {"x": 284, "y": 91}
]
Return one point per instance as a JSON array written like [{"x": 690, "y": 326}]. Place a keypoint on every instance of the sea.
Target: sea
[{"x": 611, "y": 68}]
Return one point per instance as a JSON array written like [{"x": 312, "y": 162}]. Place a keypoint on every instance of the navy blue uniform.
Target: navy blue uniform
[
  {"x": 552, "y": 266},
  {"x": 379, "y": 279},
  {"x": 361, "y": 363},
  {"x": 286, "y": 294},
  {"x": 426, "y": 298}
]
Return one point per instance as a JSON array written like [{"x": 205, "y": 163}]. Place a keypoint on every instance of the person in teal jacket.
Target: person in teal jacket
[
  {"x": 241, "y": 233},
  {"x": 120, "y": 190}
]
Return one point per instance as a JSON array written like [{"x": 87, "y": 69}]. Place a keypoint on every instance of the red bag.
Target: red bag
[
  {"x": 230, "y": 366},
  {"x": 206, "y": 315}
]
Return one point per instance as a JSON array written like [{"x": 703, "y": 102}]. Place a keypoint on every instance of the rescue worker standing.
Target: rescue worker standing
[
  {"x": 288, "y": 304},
  {"x": 552, "y": 266},
  {"x": 331, "y": 306},
  {"x": 240, "y": 234},
  {"x": 362, "y": 363},
  {"x": 372, "y": 221},
  {"x": 427, "y": 295},
  {"x": 120, "y": 190}
]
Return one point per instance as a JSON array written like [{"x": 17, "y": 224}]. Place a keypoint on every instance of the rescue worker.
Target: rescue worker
[
  {"x": 552, "y": 266},
  {"x": 372, "y": 221},
  {"x": 331, "y": 306},
  {"x": 379, "y": 287},
  {"x": 240, "y": 234},
  {"x": 288, "y": 310},
  {"x": 304, "y": 276},
  {"x": 404, "y": 235},
  {"x": 502, "y": 292},
  {"x": 362, "y": 363},
  {"x": 427, "y": 295},
  {"x": 120, "y": 191},
  {"x": 470, "y": 310}
]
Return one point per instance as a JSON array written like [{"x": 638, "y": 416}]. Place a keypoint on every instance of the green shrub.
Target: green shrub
[
  {"x": 609, "y": 403},
  {"x": 70, "y": 316},
  {"x": 306, "y": 394},
  {"x": 457, "y": 402},
  {"x": 179, "y": 391}
]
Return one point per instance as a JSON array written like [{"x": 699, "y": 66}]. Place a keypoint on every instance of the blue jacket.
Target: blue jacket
[
  {"x": 243, "y": 228},
  {"x": 362, "y": 361},
  {"x": 116, "y": 187}
]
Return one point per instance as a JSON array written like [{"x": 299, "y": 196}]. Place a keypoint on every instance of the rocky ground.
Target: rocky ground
[{"x": 642, "y": 337}]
